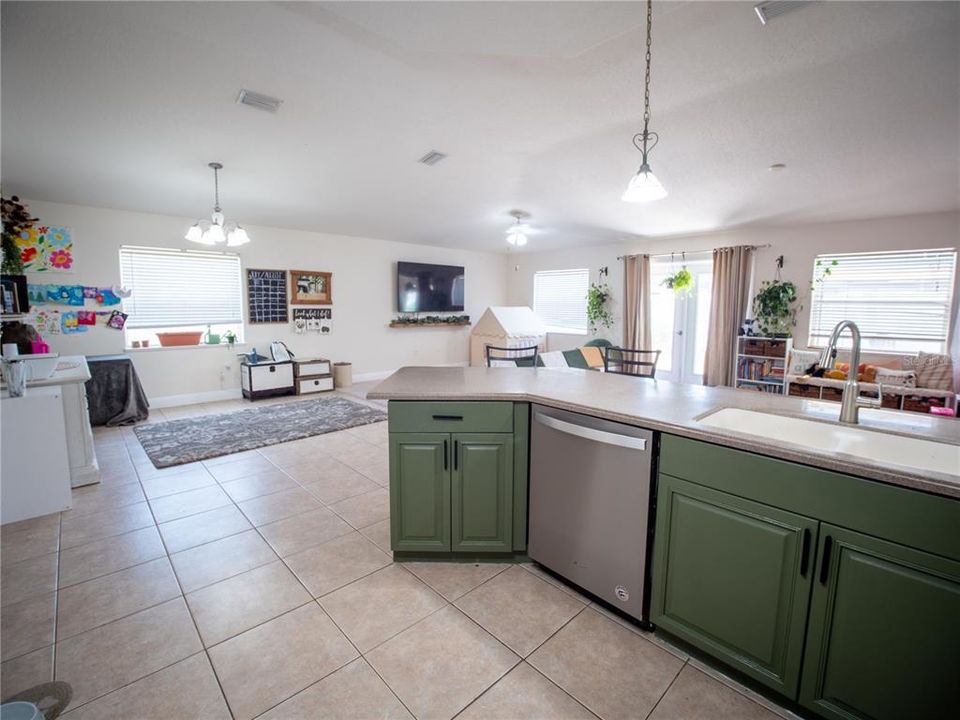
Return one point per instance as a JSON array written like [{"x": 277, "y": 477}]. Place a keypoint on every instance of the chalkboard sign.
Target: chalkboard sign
[{"x": 267, "y": 295}]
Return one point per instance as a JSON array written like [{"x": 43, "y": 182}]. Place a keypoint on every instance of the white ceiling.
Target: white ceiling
[{"x": 121, "y": 105}]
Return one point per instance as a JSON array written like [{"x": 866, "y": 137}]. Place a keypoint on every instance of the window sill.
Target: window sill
[
  {"x": 565, "y": 331},
  {"x": 154, "y": 348}
]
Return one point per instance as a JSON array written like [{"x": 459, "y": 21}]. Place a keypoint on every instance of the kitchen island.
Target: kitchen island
[{"x": 831, "y": 578}]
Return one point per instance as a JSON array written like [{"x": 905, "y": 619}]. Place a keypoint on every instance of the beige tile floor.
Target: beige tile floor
[{"x": 261, "y": 584}]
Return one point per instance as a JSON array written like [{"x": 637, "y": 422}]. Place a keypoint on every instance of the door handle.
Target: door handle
[
  {"x": 448, "y": 417},
  {"x": 825, "y": 563},
  {"x": 456, "y": 454},
  {"x": 446, "y": 456},
  {"x": 805, "y": 553},
  {"x": 588, "y": 433}
]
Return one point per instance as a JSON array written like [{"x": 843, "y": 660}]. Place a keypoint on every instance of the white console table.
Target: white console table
[
  {"x": 34, "y": 466},
  {"x": 84, "y": 469}
]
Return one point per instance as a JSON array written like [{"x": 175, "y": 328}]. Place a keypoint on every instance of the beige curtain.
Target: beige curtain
[
  {"x": 728, "y": 307},
  {"x": 636, "y": 302}
]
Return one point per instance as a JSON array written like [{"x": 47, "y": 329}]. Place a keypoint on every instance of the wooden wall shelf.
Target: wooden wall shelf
[{"x": 396, "y": 324}]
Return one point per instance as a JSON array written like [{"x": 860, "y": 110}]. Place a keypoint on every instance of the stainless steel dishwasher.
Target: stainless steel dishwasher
[{"x": 590, "y": 485}]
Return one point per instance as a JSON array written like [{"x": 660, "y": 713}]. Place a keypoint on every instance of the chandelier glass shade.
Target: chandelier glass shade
[
  {"x": 217, "y": 229},
  {"x": 516, "y": 235}
]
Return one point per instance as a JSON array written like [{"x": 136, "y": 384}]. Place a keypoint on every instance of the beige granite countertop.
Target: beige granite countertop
[{"x": 675, "y": 408}]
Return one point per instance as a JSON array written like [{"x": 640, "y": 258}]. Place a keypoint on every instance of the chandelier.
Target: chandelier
[{"x": 216, "y": 230}]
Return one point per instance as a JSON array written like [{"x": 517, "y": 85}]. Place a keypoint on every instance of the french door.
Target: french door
[{"x": 680, "y": 320}]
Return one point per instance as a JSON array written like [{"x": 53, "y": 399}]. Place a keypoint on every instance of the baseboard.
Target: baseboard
[{"x": 167, "y": 401}]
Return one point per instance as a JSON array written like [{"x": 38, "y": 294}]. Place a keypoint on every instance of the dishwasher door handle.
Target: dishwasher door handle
[{"x": 588, "y": 433}]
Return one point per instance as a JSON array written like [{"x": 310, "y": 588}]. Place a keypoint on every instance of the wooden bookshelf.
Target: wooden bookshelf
[{"x": 762, "y": 363}]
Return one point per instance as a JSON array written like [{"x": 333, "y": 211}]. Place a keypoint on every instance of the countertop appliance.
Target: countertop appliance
[{"x": 590, "y": 500}]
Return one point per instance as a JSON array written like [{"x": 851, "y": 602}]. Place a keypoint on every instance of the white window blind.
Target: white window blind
[
  {"x": 560, "y": 299},
  {"x": 899, "y": 300},
  {"x": 173, "y": 288}
]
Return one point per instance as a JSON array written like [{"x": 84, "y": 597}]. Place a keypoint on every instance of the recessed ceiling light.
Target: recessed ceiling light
[{"x": 776, "y": 167}]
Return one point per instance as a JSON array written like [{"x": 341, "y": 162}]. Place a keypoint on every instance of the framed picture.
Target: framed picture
[{"x": 311, "y": 288}]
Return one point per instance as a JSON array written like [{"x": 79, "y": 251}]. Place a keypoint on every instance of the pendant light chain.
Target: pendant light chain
[{"x": 646, "y": 84}]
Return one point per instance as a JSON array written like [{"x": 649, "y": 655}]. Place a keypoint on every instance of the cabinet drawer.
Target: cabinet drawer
[
  {"x": 271, "y": 377},
  {"x": 312, "y": 385},
  {"x": 313, "y": 367},
  {"x": 417, "y": 416}
]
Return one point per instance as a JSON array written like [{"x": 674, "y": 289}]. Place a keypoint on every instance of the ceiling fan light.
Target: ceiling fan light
[
  {"x": 515, "y": 237},
  {"x": 237, "y": 236},
  {"x": 644, "y": 187},
  {"x": 194, "y": 233}
]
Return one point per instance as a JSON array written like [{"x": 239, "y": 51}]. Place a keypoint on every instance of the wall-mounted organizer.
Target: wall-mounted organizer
[
  {"x": 306, "y": 320},
  {"x": 267, "y": 296}
]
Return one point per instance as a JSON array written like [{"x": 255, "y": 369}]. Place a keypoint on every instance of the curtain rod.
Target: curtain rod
[{"x": 694, "y": 252}]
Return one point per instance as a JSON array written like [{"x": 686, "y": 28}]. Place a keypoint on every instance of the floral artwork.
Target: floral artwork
[{"x": 46, "y": 249}]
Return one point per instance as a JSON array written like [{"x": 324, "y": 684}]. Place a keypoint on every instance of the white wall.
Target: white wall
[
  {"x": 364, "y": 298},
  {"x": 799, "y": 245}
]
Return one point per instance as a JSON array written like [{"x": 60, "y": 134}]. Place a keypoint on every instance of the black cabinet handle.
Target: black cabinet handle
[
  {"x": 273, "y": 368},
  {"x": 446, "y": 456},
  {"x": 825, "y": 563},
  {"x": 448, "y": 417},
  {"x": 456, "y": 454},
  {"x": 805, "y": 553}
]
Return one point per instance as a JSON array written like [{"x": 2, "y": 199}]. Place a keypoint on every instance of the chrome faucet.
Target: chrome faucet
[{"x": 852, "y": 402}]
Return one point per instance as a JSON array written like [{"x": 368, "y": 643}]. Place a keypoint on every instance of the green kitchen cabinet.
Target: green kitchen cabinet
[
  {"x": 733, "y": 577},
  {"x": 420, "y": 492},
  {"x": 884, "y": 631},
  {"x": 458, "y": 477},
  {"x": 482, "y": 492}
]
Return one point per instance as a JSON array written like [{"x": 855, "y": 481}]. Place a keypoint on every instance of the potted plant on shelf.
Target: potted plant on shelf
[
  {"x": 774, "y": 308},
  {"x": 598, "y": 312},
  {"x": 16, "y": 219}
]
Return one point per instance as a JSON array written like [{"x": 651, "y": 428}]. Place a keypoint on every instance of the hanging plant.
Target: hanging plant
[
  {"x": 773, "y": 307},
  {"x": 681, "y": 282},
  {"x": 821, "y": 271},
  {"x": 598, "y": 313},
  {"x": 16, "y": 219}
]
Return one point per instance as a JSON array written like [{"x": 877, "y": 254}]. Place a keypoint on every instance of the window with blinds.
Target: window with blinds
[
  {"x": 900, "y": 300},
  {"x": 175, "y": 288},
  {"x": 560, "y": 299}
]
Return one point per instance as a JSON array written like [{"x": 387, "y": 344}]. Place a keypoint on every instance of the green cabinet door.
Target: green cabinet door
[
  {"x": 733, "y": 577},
  {"x": 884, "y": 634},
  {"x": 482, "y": 492},
  {"x": 420, "y": 492}
]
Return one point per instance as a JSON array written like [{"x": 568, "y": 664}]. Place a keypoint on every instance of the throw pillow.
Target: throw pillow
[
  {"x": 903, "y": 378},
  {"x": 933, "y": 371},
  {"x": 800, "y": 360}
]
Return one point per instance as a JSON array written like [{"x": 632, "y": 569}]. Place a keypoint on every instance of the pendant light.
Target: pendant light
[
  {"x": 515, "y": 233},
  {"x": 215, "y": 230},
  {"x": 644, "y": 186}
]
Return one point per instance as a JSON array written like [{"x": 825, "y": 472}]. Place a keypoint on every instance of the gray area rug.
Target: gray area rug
[{"x": 176, "y": 442}]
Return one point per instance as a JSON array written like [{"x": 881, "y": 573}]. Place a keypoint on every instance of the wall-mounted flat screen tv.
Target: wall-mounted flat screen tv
[{"x": 429, "y": 288}]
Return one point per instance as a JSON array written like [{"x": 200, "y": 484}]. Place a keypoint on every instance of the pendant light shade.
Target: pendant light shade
[
  {"x": 217, "y": 230},
  {"x": 516, "y": 233},
  {"x": 644, "y": 186}
]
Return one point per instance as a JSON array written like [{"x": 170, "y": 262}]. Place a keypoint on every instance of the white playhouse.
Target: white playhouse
[{"x": 506, "y": 327}]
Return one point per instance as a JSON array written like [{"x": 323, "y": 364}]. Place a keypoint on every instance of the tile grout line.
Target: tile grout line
[{"x": 667, "y": 690}]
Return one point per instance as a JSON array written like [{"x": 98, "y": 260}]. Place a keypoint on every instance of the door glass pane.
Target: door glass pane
[
  {"x": 704, "y": 292},
  {"x": 662, "y": 315}
]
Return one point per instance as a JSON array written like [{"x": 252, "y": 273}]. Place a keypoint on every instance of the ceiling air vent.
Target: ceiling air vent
[
  {"x": 258, "y": 101},
  {"x": 767, "y": 11},
  {"x": 432, "y": 158}
]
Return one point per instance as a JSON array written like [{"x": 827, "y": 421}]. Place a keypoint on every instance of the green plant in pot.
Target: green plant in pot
[
  {"x": 231, "y": 337},
  {"x": 681, "y": 282},
  {"x": 774, "y": 308},
  {"x": 16, "y": 219},
  {"x": 598, "y": 312}
]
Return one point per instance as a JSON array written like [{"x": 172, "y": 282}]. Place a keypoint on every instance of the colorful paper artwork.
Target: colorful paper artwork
[
  {"x": 46, "y": 249},
  {"x": 46, "y": 322},
  {"x": 70, "y": 323},
  {"x": 117, "y": 320},
  {"x": 86, "y": 317},
  {"x": 89, "y": 293},
  {"x": 37, "y": 294},
  {"x": 65, "y": 294},
  {"x": 106, "y": 296}
]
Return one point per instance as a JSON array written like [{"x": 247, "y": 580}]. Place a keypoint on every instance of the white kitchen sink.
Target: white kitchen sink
[{"x": 876, "y": 446}]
